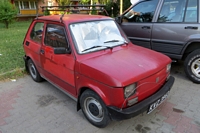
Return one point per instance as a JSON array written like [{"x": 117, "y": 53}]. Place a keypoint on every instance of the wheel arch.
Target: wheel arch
[
  {"x": 190, "y": 47},
  {"x": 81, "y": 90},
  {"x": 191, "y": 67},
  {"x": 26, "y": 58},
  {"x": 95, "y": 89}
]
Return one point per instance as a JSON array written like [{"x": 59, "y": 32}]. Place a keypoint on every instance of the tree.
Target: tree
[
  {"x": 63, "y": 2},
  {"x": 126, "y": 4},
  {"x": 112, "y": 8},
  {"x": 7, "y": 12},
  {"x": 85, "y": 1}
]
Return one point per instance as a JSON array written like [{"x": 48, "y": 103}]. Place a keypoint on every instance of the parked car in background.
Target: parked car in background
[
  {"x": 171, "y": 27},
  {"x": 91, "y": 60}
]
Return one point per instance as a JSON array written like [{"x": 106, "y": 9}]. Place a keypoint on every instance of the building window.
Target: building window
[
  {"x": 17, "y": 5},
  {"x": 25, "y": 4},
  {"x": 32, "y": 4},
  {"x": 21, "y": 5}
]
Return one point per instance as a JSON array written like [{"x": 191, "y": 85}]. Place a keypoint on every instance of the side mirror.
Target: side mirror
[
  {"x": 118, "y": 19},
  {"x": 61, "y": 50}
]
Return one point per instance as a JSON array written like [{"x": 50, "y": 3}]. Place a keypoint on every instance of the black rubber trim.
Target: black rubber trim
[
  {"x": 26, "y": 62},
  {"x": 117, "y": 114}
]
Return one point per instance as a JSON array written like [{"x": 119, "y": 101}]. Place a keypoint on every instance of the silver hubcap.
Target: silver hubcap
[
  {"x": 196, "y": 68},
  {"x": 32, "y": 70},
  {"x": 93, "y": 109}
]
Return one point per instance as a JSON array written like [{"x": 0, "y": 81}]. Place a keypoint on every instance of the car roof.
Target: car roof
[{"x": 73, "y": 18}]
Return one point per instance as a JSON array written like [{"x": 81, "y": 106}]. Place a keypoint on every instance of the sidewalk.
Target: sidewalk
[{"x": 30, "y": 107}]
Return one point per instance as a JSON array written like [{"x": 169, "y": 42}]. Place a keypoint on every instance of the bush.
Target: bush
[
  {"x": 46, "y": 12},
  {"x": 126, "y": 4},
  {"x": 116, "y": 8},
  {"x": 8, "y": 12},
  {"x": 112, "y": 5}
]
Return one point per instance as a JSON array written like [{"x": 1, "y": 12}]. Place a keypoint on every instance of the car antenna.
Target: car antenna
[
  {"x": 37, "y": 10},
  {"x": 61, "y": 20}
]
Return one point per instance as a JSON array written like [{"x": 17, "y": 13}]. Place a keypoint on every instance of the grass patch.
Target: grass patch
[
  {"x": 11, "y": 49},
  {"x": 14, "y": 74}
]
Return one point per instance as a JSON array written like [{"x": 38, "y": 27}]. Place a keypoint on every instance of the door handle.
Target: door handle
[
  {"x": 191, "y": 27},
  {"x": 146, "y": 27},
  {"x": 27, "y": 43},
  {"x": 42, "y": 51}
]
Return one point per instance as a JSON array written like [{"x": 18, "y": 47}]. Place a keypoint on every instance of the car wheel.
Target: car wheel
[
  {"x": 94, "y": 109},
  {"x": 33, "y": 71},
  {"x": 192, "y": 66}
]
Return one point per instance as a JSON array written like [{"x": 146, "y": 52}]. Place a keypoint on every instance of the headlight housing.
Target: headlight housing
[
  {"x": 130, "y": 90},
  {"x": 168, "y": 68}
]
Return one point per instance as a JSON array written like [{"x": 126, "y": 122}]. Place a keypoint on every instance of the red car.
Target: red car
[{"x": 91, "y": 60}]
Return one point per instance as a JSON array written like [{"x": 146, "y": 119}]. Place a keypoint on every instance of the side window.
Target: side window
[
  {"x": 174, "y": 11},
  {"x": 191, "y": 11},
  {"x": 142, "y": 12},
  {"x": 36, "y": 32},
  {"x": 55, "y": 36}
]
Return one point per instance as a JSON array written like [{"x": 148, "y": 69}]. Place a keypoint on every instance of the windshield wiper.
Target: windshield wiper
[
  {"x": 115, "y": 41},
  {"x": 112, "y": 41},
  {"x": 96, "y": 47}
]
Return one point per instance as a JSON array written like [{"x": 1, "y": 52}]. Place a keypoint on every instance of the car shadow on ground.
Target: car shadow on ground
[{"x": 177, "y": 70}]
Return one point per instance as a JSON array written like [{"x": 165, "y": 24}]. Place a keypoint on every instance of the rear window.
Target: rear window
[{"x": 36, "y": 32}]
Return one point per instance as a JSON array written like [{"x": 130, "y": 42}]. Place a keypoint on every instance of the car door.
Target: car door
[
  {"x": 33, "y": 42},
  {"x": 175, "y": 26},
  {"x": 137, "y": 22},
  {"x": 58, "y": 67}
]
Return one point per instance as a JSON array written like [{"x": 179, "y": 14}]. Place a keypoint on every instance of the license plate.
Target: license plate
[{"x": 157, "y": 103}]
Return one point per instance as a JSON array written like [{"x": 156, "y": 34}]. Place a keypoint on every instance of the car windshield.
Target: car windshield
[{"x": 96, "y": 35}]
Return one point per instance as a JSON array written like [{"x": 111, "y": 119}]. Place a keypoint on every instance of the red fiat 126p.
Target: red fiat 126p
[{"x": 90, "y": 59}]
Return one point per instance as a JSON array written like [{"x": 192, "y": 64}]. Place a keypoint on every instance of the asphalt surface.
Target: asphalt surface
[{"x": 30, "y": 107}]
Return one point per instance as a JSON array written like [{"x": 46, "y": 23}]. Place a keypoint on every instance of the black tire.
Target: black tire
[
  {"x": 33, "y": 71},
  {"x": 94, "y": 109},
  {"x": 192, "y": 66}
]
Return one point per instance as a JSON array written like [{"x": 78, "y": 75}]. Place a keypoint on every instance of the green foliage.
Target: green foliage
[
  {"x": 46, "y": 12},
  {"x": 8, "y": 12},
  {"x": 63, "y": 2},
  {"x": 115, "y": 6},
  {"x": 94, "y": 11},
  {"x": 112, "y": 8},
  {"x": 126, "y": 4},
  {"x": 104, "y": 2},
  {"x": 85, "y": 1}
]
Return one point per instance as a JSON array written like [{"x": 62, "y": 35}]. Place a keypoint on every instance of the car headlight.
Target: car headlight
[
  {"x": 129, "y": 90},
  {"x": 168, "y": 68}
]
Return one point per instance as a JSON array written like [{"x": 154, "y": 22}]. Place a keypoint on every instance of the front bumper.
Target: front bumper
[{"x": 118, "y": 114}]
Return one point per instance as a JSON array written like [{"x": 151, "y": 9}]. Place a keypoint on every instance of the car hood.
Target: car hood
[{"x": 125, "y": 66}]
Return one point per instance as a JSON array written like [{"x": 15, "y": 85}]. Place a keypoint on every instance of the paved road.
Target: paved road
[{"x": 30, "y": 107}]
